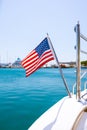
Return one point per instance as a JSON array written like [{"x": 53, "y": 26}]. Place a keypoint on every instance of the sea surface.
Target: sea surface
[{"x": 23, "y": 100}]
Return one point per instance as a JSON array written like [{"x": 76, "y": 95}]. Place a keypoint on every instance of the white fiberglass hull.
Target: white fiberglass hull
[{"x": 67, "y": 114}]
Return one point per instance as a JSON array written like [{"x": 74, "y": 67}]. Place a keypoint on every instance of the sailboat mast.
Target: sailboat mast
[{"x": 78, "y": 64}]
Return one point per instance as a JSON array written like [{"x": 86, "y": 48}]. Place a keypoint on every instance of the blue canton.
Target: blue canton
[{"x": 42, "y": 47}]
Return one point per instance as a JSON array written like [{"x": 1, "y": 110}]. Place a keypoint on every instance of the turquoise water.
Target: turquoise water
[{"x": 23, "y": 100}]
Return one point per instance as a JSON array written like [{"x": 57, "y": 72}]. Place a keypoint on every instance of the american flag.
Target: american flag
[{"x": 38, "y": 57}]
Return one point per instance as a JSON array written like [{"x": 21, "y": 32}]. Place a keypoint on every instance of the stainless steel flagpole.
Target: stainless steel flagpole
[
  {"x": 55, "y": 56},
  {"x": 78, "y": 64}
]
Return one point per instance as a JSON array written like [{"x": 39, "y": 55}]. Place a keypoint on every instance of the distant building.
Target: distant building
[{"x": 17, "y": 63}]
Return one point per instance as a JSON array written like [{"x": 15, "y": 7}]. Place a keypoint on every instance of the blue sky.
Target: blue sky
[{"x": 25, "y": 23}]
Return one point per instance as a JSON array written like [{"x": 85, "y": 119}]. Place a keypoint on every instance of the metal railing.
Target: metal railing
[
  {"x": 85, "y": 84},
  {"x": 78, "y": 73}
]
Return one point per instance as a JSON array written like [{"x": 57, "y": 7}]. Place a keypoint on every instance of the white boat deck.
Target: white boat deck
[{"x": 64, "y": 115}]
